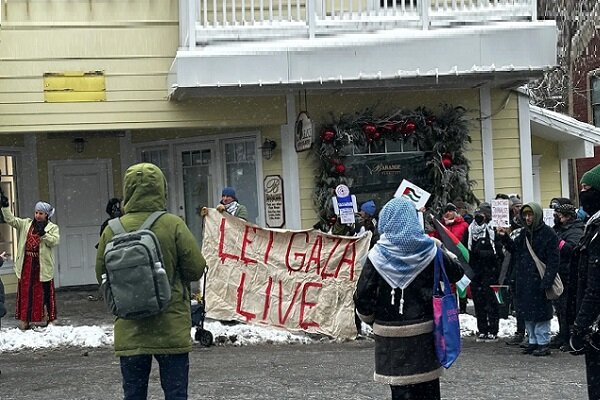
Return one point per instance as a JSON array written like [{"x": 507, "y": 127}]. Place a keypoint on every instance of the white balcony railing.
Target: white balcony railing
[{"x": 234, "y": 20}]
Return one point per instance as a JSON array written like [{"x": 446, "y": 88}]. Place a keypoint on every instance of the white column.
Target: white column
[
  {"x": 289, "y": 161},
  {"x": 487, "y": 146},
  {"x": 564, "y": 178},
  {"x": 525, "y": 147}
]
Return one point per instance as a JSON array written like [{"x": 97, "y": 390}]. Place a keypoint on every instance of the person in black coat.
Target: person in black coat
[
  {"x": 394, "y": 294},
  {"x": 530, "y": 297},
  {"x": 583, "y": 340},
  {"x": 569, "y": 230}
]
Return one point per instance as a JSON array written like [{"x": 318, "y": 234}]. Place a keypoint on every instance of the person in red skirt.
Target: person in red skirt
[{"x": 34, "y": 264}]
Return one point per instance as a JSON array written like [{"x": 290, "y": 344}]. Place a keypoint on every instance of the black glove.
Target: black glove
[
  {"x": 3, "y": 201},
  {"x": 578, "y": 340},
  {"x": 39, "y": 227}
]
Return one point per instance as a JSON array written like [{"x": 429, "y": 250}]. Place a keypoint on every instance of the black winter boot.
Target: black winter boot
[
  {"x": 530, "y": 349},
  {"x": 541, "y": 351}
]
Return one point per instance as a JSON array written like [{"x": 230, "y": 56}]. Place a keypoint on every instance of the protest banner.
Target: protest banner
[{"x": 296, "y": 280}]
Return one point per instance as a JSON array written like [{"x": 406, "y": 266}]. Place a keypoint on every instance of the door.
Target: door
[
  {"x": 196, "y": 165},
  {"x": 81, "y": 191}
]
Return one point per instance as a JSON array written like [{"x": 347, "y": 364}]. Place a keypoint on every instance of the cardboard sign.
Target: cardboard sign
[
  {"x": 500, "y": 214},
  {"x": 412, "y": 192},
  {"x": 295, "y": 280}
]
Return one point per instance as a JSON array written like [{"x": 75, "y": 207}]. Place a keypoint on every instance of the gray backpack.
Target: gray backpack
[{"x": 135, "y": 284}]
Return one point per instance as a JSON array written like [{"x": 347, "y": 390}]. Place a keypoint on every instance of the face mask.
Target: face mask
[
  {"x": 479, "y": 219},
  {"x": 582, "y": 215},
  {"x": 556, "y": 220},
  {"x": 589, "y": 200}
]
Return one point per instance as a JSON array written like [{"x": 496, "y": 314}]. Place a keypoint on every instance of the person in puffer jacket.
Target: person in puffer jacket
[
  {"x": 394, "y": 294},
  {"x": 165, "y": 336}
]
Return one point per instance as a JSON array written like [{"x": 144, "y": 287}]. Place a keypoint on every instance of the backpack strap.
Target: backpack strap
[
  {"x": 117, "y": 227},
  {"x": 151, "y": 219}
]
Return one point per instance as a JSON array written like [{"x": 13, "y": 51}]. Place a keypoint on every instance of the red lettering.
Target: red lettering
[
  {"x": 269, "y": 246},
  {"x": 315, "y": 255},
  {"x": 296, "y": 255},
  {"x": 289, "y": 308},
  {"x": 350, "y": 261},
  {"x": 246, "y": 241},
  {"x": 307, "y": 304},
  {"x": 222, "y": 255},
  {"x": 324, "y": 273},
  {"x": 267, "y": 298},
  {"x": 240, "y": 296}
]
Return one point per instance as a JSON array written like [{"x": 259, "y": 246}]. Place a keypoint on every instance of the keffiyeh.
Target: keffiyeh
[
  {"x": 477, "y": 232},
  {"x": 403, "y": 250}
]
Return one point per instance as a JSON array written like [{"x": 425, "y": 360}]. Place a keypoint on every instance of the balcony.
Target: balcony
[{"x": 285, "y": 43}]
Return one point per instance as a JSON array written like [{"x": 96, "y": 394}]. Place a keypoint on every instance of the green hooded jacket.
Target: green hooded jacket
[{"x": 145, "y": 191}]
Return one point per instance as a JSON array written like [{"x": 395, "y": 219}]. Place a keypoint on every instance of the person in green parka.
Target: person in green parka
[{"x": 166, "y": 336}]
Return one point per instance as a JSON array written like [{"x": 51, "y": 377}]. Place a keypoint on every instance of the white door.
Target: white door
[{"x": 80, "y": 190}]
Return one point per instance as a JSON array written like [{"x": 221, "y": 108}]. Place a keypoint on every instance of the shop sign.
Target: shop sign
[
  {"x": 304, "y": 132},
  {"x": 274, "y": 211}
]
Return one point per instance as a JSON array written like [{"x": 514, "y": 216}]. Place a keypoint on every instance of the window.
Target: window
[
  {"x": 240, "y": 173},
  {"x": 8, "y": 185},
  {"x": 160, "y": 158},
  {"x": 595, "y": 93}
]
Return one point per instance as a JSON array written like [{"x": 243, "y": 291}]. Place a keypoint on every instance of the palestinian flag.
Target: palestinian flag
[
  {"x": 455, "y": 246},
  {"x": 499, "y": 291}
]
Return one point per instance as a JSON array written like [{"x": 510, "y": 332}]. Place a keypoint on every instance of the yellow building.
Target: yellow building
[{"x": 89, "y": 87}]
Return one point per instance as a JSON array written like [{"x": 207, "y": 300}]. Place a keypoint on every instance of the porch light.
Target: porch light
[
  {"x": 79, "y": 144},
  {"x": 267, "y": 148}
]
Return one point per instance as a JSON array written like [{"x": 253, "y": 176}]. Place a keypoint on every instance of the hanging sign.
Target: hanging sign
[
  {"x": 274, "y": 211},
  {"x": 304, "y": 132},
  {"x": 344, "y": 204}
]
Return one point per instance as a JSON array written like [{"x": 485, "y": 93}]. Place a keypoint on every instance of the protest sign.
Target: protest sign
[
  {"x": 296, "y": 280},
  {"x": 412, "y": 192},
  {"x": 549, "y": 216},
  {"x": 500, "y": 214}
]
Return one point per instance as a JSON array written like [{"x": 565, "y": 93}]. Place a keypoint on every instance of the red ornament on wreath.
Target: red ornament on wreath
[
  {"x": 327, "y": 136},
  {"x": 376, "y": 136},
  {"x": 447, "y": 160},
  {"x": 408, "y": 128},
  {"x": 369, "y": 129},
  {"x": 340, "y": 169}
]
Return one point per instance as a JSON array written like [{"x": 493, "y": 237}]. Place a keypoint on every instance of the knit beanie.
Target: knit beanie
[
  {"x": 514, "y": 201},
  {"x": 559, "y": 201},
  {"x": 592, "y": 177},
  {"x": 228, "y": 191},
  {"x": 567, "y": 210},
  {"x": 369, "y": 207},
  {"x": 450, "y": 207}
]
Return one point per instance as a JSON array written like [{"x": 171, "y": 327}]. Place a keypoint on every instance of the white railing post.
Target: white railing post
[
  {"x": 311, "y": 14},
  {"x": 192, "y": 24},
  {"x": 425, "y": 7},
  {"x": 534, "y": 10}
]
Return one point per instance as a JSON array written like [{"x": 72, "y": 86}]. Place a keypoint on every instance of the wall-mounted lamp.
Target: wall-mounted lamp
[
  {"x": 79, "y": 144},
  {"x": 267, "y": 148}
]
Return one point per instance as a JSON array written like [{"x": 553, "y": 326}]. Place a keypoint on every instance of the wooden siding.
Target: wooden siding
[
  {"x": 550, "y": 179},
  {"x": 505, "y": 128},
  {"x": 133, "y": 42}
]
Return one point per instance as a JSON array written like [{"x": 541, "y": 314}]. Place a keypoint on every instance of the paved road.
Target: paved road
[{"x": 317, "y": 371}]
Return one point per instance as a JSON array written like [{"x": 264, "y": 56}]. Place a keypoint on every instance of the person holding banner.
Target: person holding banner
[
  {"x": 394, "y": 295},
  {"x": 230, "y": 204}
]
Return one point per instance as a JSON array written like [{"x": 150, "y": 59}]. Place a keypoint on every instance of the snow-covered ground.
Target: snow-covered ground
[{"x": 238, "y": 335}]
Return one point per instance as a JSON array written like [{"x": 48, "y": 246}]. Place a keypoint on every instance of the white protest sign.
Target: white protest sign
[
  {"x": 500, "y": 214},
  {"x": 412, "y": 192},
  {"x": 295, "y": 280},
  {"x": 344, "y": 204},
  {"x": 549, "y": 217}
]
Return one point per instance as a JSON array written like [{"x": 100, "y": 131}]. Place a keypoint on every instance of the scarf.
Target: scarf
[
  {"x": 232, "y": 207},
  {"x": 477, "y": 232},
  {"x": 403, "y": 250}
]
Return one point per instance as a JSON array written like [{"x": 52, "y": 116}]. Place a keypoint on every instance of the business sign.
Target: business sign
[
  {"x": 274, "y": 206},
  {"x": 304, "y": 132}
]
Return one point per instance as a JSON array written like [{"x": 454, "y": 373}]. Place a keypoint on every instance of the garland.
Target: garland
[{"x": 443, "y": 138}]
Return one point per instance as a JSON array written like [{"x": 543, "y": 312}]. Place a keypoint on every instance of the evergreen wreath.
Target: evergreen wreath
[{"x": 443, "y": 138}]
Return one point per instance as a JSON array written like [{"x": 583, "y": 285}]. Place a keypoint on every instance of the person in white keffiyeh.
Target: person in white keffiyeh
[{"x": 394, "y": 294}]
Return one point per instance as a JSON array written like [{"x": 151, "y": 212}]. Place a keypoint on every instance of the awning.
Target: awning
[{"x": 576, "y": 139}]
